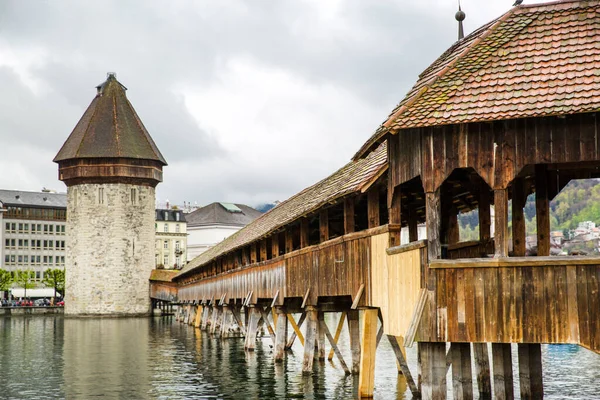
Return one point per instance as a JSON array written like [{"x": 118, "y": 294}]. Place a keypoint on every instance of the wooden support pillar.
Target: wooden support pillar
[
  {"x": 368, "y": 348},
  {"x": 321, "y": 337},
  {"x": 289, "y": 240},
  {"x": 304, "y": 231},
  {"x": 254, "y": 317},
  {"x": 275, "y": 245},
  {"x": 397, "y": 344},
  {"x": 338, "y": 332},
  {"x": 462, "y": 377},
  {"x": 263, "y": 250},
  {"x": 199, "y": 311},
  {"x": 280, "y": 334},
  {"x": 354, "y": 331},
  {"x": 542, "y": 210},
  {"x": 226, "y": 321},
  {"x": 501, "y": 223},
  {"x": 395, "y": 217},
  {"x": 296, "y": 328},
  {"x": 482, "y": 370},
  {"x": 530, "y": 371},
  {"x": 518, "y": 217},
  {"x": 253, "y": 258},
  {"x": 323, "y": 226},
  {"x": 206, "y": 318},
  {"x": 413, "y": 227},
  {"x": 485, "y": 220},
  {"x": 503, "y": 373},
  {"x": 349, "y": 223},
  {"x": 453, "y": 228},
  {"x": 310, "y": 339},
  {"x": 373, "y": 207},
  {"x": 216, "y": 320},
  {"x": 245, "y": 256},
  {"x": 434, "y": 248},
  {"x": 433, "y": 370}
]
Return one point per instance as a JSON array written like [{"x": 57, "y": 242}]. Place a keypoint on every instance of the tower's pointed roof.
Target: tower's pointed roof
[{"x": 110, "y": 128}]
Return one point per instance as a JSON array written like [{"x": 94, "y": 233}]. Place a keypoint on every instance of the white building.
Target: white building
[
  {"x": 33, "y": 231},
  {"x": 211, "y": 224},
  {"x": 171, "y": 239}
]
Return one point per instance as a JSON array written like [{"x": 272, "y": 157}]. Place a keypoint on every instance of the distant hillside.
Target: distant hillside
[
  {"x": 263, "y": 208},
  {"x": 579, "y": 201}
]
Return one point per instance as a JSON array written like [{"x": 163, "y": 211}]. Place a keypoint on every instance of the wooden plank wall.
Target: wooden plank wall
[
  {"x": 530, "y": 304},
  {"x": 497, "y": 150},
  {"x": 163, "y": 291},
  {"x": 395, "y": 284},
  {"x": 471, "y": 249}
]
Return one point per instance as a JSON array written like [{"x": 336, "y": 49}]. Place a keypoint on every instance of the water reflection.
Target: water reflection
[{"x": 52, "y": 357}]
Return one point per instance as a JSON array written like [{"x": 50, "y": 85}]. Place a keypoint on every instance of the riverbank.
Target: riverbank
[{"x": 34, "y": 310}]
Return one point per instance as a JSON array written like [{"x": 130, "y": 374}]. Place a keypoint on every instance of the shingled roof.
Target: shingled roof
[
  {"x": 351, "y": 178},
  {"x": 535, "y": 60},
  {"x": 110, "y": 128},
  {"x": 217, "y": 214}
]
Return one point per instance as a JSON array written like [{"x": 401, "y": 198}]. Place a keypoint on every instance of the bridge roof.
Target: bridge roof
[
  {"x": 351, "y": 178},
  {"x": 535, "y": 60}
]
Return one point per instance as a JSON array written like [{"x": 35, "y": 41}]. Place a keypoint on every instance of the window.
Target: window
[
  {"x": 26, "y": 242},
  {"x": 20, "y": 243},
  {"x": 7, "y": 243},
  {"x": 37, "y": 275},
  {"x": 51, "y": 227},
  {"x": 100, "y": 195},
  {"x": 20, "y": 228},
  {"x": 62, "y": 259},
  {"x": 20, "y": 259},
  {"x": 133, "y": 196},
  {"x": 166, "y": 244},
  {"x": 26, "y": 227},
  {"x": 6, "y": 258},
  {"x": 39, "y": 227},
  {"x": 177, "y": 228},
  {"x": 50, "y": 259},
  {"x": 166, "y": 228},
  {"x": 7, "y": 226},
  {"x": 13, "y": 227},
  {"x": 26, "y": 259},
  {"x": 45, "y": 229},
  {"x": 177, "y": 245},
  {"x": 75, "y": 197},
  {"x": 166, "y": 260},
  {"x": 45, "y": 259},
  {"x": 177, "y": 261},
  {"x": 62, "y": 229},
  {"x": 45, "y": 244}
]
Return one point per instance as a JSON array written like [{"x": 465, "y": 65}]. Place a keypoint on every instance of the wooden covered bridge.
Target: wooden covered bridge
[{"x": 510, "y": 110}]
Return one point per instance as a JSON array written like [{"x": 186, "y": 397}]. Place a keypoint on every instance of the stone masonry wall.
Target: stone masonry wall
[{"x": 110, "y": 249}]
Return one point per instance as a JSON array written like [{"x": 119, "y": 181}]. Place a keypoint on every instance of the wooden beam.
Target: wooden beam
[
  {"x": 275, "y": 246},
  {"x": 462, "y": 377},
  {"x": 354, "y": 332},
  {"x": 542, "y": 210},
  {"x": 394, "y": 215},
  {"x": 366, "y": 378},
  {"x": 397, "y": 346},
  {"x": 503, "y": 373},
  {"x": 413, "y": 227},
  {"x": 530, "y": 371},
  {"x": 338, "y": 332},
  {"x": 500, "y": 223},
  {"x": 311, "y": 337},
  {"x": 263, "y": 250},
  {"x": 482, "y": 370},
  {"x": 265, "y": 319},
  {"x": 289, "y": 239},
  {"x": 254, "y": 317},
  {"x": 198, "y": 320},
  {"x": 358, "y": 296},
  {"x": 253, "y": 258},
  {"x": 349, "y": 224},
  {"x": 323, "y": 225},
  {"x": 453, "y": 228},
  {"x": 334, "y": 348},
  {"x": 321, "y": 336},
  {"x": 304, "y": 232},
  {"x": 434, "y": 248},
  {"x": 296, "y": 328},
  {"x": 281, "y": 334},
  {"x": 433, "y": 370},
  {"x": 518, "y": 217},
  {"x": 373, "y": 207},
  {"x": 485, "y": 220}
]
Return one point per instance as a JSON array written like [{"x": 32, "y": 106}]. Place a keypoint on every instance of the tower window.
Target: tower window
[
  {"x": 100, "y": 195},
  {"x": 133, "y": 196}
]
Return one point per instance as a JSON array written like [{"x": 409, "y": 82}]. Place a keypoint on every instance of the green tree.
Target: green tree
[
  {"x": 5, "y": 280},
  {"x": 24, "y": 279},
  {"x": 55, "y": 278}
]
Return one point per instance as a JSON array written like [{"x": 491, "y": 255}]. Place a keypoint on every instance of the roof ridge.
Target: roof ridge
[{"x": 551, "y": 3}]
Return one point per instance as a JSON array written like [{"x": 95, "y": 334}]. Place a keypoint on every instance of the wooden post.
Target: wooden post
[
  {"x": 453, "y": 228},
  {"x": 275, "y": 245},
  {"x": 434, "y": 248},
  {"x": 216, "y": 320},
  {"x": 542, "y": 211},
  {"x": 253, "y": 258},
  {"x": 349, "y": 223},
  {"x": 501, "y": 223},
  {"x": 263, "y": 250},
  {"x": 366, "y": 378},
  {"x": 338, "y": 332},
  {"x": 462, "y": 377},
  {"x": 304, "y": 231},
  {"x": 433, "y": 370},
  {"x": 413, "y": 227},
  {"x": 394, "y": 216},
  {"x": 226, "y": 321},
  {"x": 530, "y": 371},
  {"x": 400, "y": 352},
  {"x": 289, "y": 242},
  {"x": 482, "y": 370},
  {"x": 310, "y": 338},
  {"x": 321, "y": 336},
  {"x": 254, "y": 317},
  {"x": 296, "y": 328},
  {"x": 206, "y": 318},
  {"x": 518, "y": 217},
  {"x": 373, "y": 206},
  {"x": 199, "y": 311},
  {"x": 280, "y": 334},
  {"x": 485, "y": 220},
  {"x": 503, "y": 374},
  {"x": 323, "y": 225},
  {"x": 354, "y": 332}
]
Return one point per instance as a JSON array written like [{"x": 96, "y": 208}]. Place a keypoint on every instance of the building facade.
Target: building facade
[
  {"x": 111, "y": 167},
  {"x": 210, "y": 224},
  {"x": 171, "y": 239},
  {"x": 33, "y": 233}
]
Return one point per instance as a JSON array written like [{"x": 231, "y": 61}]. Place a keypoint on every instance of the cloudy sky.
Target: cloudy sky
[{"x": 249, "y": 101}]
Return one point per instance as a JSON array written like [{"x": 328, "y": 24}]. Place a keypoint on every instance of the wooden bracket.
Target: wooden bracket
[
  {"x": 275, "y": 299},
  {"x": 222, "y": 299},
  {"x": 358, "y": 297},
  {"x": 416, "y": 318},
  {"x": 305, "y": 298}
]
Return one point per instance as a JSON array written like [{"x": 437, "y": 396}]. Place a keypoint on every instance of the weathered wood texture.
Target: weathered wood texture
[
  {"x": 497, "y": 150},
  {"x": 470, "y": 249},
  {"x": 165, "y": 291}
]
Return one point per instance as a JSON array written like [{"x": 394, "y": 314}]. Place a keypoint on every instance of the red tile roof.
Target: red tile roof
[{"x": 535, "y": 60}]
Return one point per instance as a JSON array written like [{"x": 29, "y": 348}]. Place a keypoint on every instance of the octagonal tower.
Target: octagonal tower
[{"x": 111, "y": 167}]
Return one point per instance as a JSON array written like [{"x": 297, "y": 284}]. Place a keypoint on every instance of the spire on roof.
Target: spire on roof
[{"x": 460, "y": 17}]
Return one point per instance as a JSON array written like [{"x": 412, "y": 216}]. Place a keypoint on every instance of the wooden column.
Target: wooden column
[
  {"x": 395, "y": 215},
  {"x": 226, "y": 322},
  {"x": 304, "y": 231},
  {"x": 518, "y": 217},
  {"x": 413, "y": 227},
  {"x": 530, "y": 371},
  {"x": 206, "y": 318},
  {"x": 323, "y": 226},
  {"x": 216, "y": 320},
  {"x": 263, "y": 250},
  {"x": 501, "y": 223},
  {"x": 373, "y": 207},
  {"x": 349, "y": 215},
  {"x": 275, "y": 245},
  {"x": 482, "y": 370},
  {"x": 199, "y": 311},
  {"x": 253, "y": 258},
  {"x": 453, "y": 228},
  {"x": 434, "y": 248},
  {"x": 254, "y": 317},
  {"x": 289, "y": 242},
  {"x": 503, "y": 374},
  {"x": 433, "y": 370},
  {"x": 321, "y": 336},
  {"x": 485, "y": 220},
  {"x": 280, "y": 333},
  {"x": 542, "y": 211},
  {"x": 368, "y": 348},
  {"x": 462, "y": 377},
  {"x": 354, "y": 331},
  {"x": 310, "y": 339}
]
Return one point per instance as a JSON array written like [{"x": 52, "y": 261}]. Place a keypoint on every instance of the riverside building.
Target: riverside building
[
  {"x": 32, "y": 231},
  {"x": 171, "y": 239}
]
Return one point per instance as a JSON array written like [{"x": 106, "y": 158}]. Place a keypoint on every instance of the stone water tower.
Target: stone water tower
[{"x": 111, "y": 167}]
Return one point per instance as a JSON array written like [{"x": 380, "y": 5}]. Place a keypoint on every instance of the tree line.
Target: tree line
[{"x": 25, "y": 279}]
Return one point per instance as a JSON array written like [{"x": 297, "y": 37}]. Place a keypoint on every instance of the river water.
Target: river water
[{"x": 157, "y": 358}]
